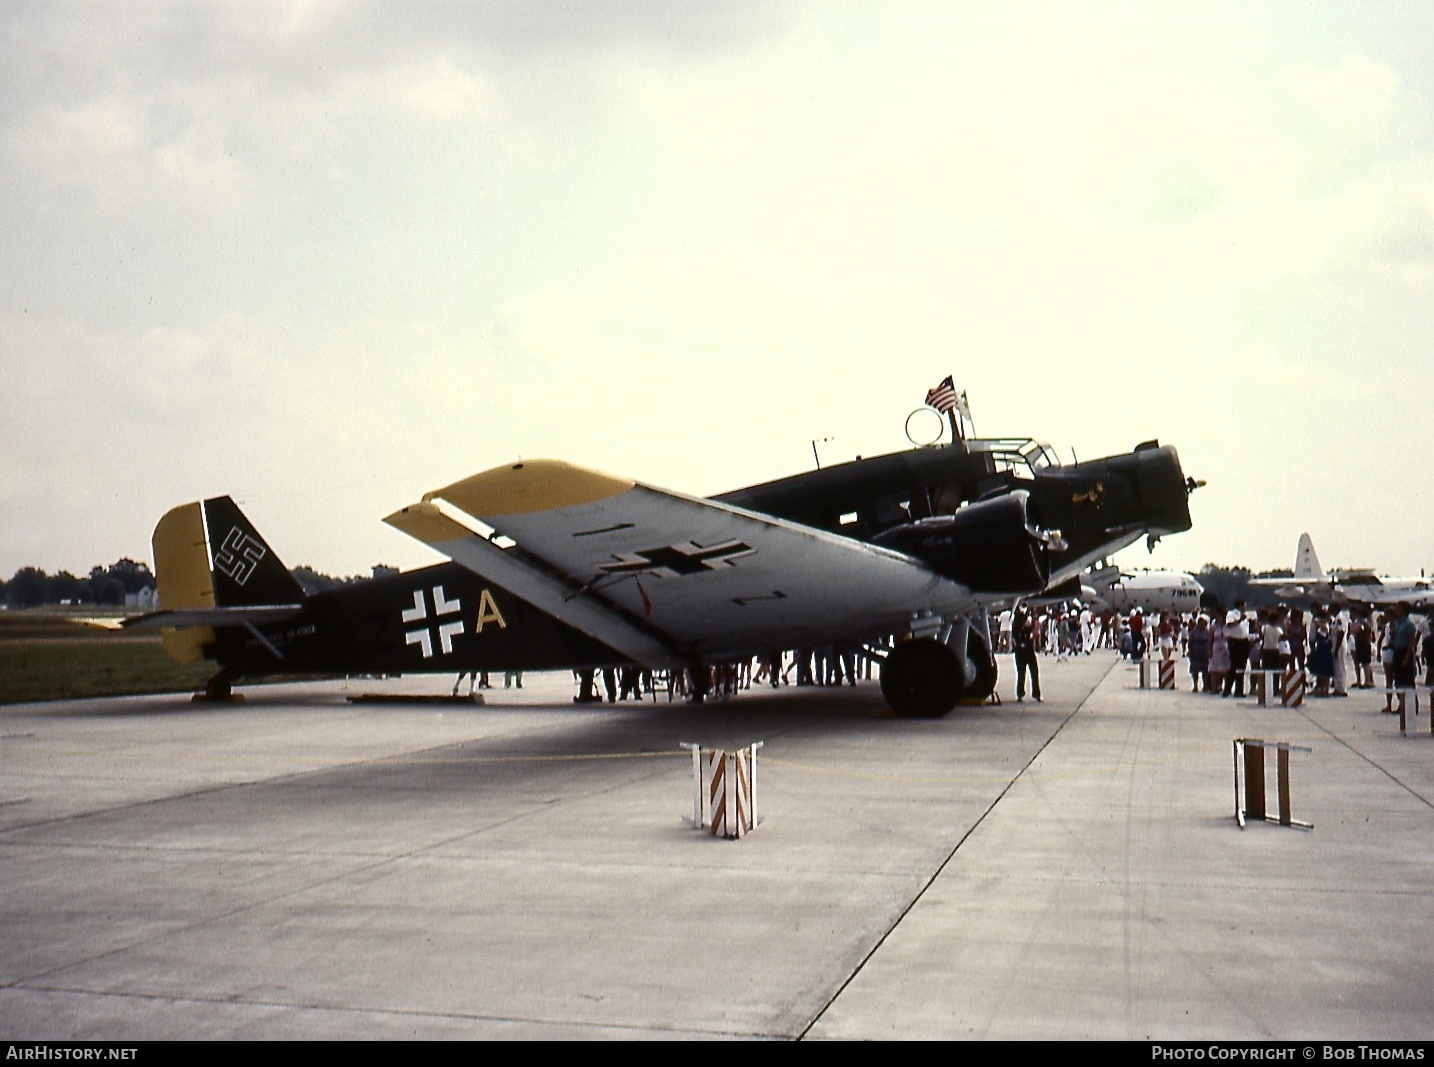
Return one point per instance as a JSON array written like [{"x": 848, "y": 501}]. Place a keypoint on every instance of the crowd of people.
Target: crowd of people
[
  {"x": 1336, "y": 646},
  {"x": 1330, "y": 643},
  {"x": 826, "y": 666}
]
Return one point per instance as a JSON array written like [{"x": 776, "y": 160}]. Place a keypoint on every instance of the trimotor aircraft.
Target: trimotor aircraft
[
  {"x": 1347, "y": 585},
  {"x": 552, "y": 566}
]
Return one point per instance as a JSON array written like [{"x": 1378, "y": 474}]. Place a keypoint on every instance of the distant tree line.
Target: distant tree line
[
  {"x": 314, "y": 582},
  {"x": 1229, "y": 584},
  {"x": 31, "y": 587}
]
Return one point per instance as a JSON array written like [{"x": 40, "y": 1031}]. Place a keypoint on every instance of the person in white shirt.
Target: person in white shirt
[{"x": 1237, "y": 636}]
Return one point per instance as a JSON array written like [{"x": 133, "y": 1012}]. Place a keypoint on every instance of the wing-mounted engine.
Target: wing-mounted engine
[{"x": 992, "y": 546}]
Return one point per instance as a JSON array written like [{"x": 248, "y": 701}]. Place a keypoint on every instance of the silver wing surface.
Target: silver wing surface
[{"x": 667, "y": 578}]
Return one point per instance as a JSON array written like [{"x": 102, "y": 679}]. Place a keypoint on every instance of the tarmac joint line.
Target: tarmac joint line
[{"x": 941, "y": 867}]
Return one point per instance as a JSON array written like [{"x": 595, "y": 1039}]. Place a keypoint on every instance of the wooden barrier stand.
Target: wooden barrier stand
[
  {"x": 1250, "y": 803},
  {"x": 1391, "y": 692}
]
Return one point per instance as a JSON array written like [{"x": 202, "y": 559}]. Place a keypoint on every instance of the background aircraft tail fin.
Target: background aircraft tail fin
[{"x": 1306, "y": 562}]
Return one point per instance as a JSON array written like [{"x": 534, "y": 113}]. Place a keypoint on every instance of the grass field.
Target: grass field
[{"x": 45, "y": 655}]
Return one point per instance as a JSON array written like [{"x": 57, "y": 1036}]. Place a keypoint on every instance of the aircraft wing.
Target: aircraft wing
[
  {"x": 1358, "y": 577},
  {"x": 666, "y": 578},
  {"x": 1295, "y": 586}
]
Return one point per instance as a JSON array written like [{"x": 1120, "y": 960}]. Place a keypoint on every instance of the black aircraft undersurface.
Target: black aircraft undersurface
[{"x": 555, "y": 566}]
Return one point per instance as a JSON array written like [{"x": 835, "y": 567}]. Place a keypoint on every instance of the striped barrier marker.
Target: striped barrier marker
[
  {"x": 1293, "y": 692},
  {"x": 724, "y": 789},
  {"x": 1250, "y": 803},
  {"x": 1144, "y": 673},
  {"x": 1167, "y": 674}
]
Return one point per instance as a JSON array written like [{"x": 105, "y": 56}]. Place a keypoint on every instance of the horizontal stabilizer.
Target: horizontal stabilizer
[
  {"x": 181, "y": 622},
  {"x": 180, "y": 618}
]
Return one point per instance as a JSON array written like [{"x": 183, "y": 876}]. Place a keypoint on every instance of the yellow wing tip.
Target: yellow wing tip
[{"x": 530, "y": 486}]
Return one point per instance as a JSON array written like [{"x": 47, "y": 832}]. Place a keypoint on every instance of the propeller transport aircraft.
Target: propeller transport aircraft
[
  {"x": 1110, "y": 589},
  {"x": 552, "y": 565},
  {"x": 1347, "y": 585}
]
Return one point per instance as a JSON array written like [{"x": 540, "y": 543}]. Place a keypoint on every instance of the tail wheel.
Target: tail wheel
[
  {"x": 921, "y": 679},
  {"x": 218, "y": 689}
]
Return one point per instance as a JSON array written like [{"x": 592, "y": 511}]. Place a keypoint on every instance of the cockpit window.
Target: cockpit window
[{"x": 1018, "y": 456}]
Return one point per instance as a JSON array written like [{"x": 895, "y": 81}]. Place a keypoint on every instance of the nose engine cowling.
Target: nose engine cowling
[{"x": 991, "y": 546}]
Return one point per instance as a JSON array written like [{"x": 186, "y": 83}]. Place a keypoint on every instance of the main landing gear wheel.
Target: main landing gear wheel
[
  {"x": 921, "y": 679},
  {"x": 983, "y": 680}
]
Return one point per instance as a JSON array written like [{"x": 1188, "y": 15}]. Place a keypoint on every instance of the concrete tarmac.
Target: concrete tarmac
[{"x": 297, "y": 866}]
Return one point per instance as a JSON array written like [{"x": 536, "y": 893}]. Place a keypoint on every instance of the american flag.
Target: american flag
[{"x": 943, "y": 398}]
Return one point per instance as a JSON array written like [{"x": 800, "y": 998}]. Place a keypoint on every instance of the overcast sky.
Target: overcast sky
[{"x": 325, "y": 257}]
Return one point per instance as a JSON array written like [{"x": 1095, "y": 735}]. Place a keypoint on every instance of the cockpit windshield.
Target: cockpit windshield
[{"x": 1019, "y": 456}]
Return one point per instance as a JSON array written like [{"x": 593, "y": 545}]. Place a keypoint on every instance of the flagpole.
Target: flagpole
[{"x": 946, "y": 400}]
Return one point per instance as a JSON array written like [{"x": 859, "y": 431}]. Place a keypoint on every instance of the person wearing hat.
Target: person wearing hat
[{"x": 1023, "y": 643}]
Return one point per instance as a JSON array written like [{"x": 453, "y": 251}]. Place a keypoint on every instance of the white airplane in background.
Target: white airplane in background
[
  {"x": 1347, "y": 585},
  {"x": 1109, "y": 588}
]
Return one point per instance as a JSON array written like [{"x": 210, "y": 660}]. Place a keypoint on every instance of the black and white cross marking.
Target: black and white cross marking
[
  {"x": 674, "y": 561},
  {"x": 445, "y": 631}
]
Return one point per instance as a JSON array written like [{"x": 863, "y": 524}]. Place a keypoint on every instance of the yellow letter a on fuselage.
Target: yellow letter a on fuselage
[{"x": 488, "y": 612}]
